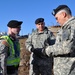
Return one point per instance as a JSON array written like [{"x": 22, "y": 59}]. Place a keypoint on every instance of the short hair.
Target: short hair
[
  {"x": 65, "y": 10},
  {"x": 61, "y": 7}
]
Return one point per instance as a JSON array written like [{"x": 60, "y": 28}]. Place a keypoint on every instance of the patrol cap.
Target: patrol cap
[
  {"x": 60, "y": 7},
  {"x": 14, "y": 24},
  {"x": 39, "y": 20}
]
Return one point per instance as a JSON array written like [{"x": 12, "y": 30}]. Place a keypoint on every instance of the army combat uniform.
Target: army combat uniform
[
  {"x": 64, "y": 49},
  {"x": 9, "y": 55},
  {"x": 40, "y": 64},
  {"x": 3, "y": 54}
]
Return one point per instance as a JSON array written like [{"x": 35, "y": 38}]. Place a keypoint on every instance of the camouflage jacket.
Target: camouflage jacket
[
  {"x": 3, "y": 55},
  {"x": 39, "y": 40},
  {"x": 64, "y": 49}
]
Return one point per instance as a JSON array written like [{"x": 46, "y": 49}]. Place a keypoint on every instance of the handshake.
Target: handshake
[{"x": 45, "y": 51}]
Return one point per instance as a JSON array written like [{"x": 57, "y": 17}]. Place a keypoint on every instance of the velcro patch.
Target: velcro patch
[{"x": 5, "y": 43}]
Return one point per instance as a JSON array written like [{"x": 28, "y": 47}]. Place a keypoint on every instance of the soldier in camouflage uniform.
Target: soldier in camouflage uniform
[
  {"x": 10, "y": 49},
  {"x": 63, "y": 50},
  {"x": 40, "y": 64}
]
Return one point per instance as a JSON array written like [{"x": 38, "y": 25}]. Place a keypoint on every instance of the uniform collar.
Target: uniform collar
[
  {"x": 44, "y": 31},
  {"x": 12, "y": 38},
  {"x": 68, "y": 21}
]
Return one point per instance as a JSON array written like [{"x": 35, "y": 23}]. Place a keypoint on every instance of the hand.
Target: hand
[
  {"x": 48, "y": 51},
  {"x": 38, "y": 50}
]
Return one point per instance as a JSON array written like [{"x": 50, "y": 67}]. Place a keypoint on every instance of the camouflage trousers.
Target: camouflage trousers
[{"x": 64, "y": 66}]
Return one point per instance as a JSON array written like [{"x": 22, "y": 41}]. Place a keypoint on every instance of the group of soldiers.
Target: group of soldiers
[{"x": 49, "y": 55}]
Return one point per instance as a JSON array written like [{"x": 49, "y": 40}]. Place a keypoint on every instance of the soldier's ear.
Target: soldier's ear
[{"x": 64, "y": 14}]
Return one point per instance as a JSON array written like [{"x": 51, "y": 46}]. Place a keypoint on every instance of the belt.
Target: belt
[{"x": 64, "y": 55}]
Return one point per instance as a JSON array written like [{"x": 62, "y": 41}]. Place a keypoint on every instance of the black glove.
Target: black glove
[
  {"x": 36, "y": 50},
  {"x": 40, "y": 52}
]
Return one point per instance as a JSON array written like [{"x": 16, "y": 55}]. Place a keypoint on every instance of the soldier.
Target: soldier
[
  {"x": 64, "y": 48},
  {"x": 10, "y": 49},
  {"x": 40, "y": 64}
]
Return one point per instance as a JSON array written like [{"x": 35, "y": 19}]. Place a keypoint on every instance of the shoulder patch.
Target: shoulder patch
[{"x": 5, "y": 43}]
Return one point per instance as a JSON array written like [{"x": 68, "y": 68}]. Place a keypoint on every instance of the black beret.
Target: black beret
[
  {"x": 39, "y": 20},
  {"x": 14, "y": 24},
  {"x": 60, "y": 7}
]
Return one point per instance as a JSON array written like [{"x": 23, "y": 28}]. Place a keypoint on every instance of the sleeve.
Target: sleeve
[
  {"x": 3, "y": 56},
  {"x": 64, "y": 47},
  {"x": 28, "y": 43}
]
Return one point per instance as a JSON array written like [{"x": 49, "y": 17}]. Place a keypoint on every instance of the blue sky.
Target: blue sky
[{"x": 28, "y": 11}]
